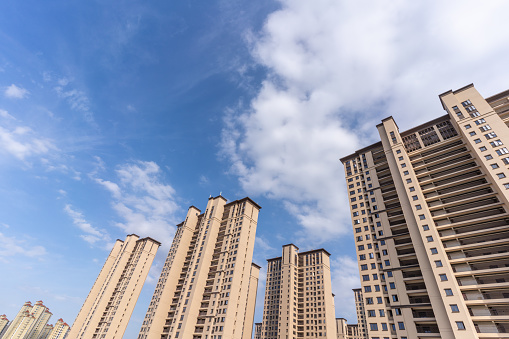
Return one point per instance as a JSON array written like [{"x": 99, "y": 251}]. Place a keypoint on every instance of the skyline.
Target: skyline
[{"x": 115, "y": 117}]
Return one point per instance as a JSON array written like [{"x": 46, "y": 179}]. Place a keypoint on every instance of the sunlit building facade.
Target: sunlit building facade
[
  {"x": 111, "y": 301},
  {"x": 430, "y": 213},
  {"x": 298, "y": 298},
  {"x": 207, "y": 288}
]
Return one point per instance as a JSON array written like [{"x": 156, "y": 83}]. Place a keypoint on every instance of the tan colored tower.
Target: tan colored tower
[
  {"x": 59, "y": 331},
  {"x": 111, "y": 300},
  {"x": 29, "y": 322},
  {"x": 45, "y": 332},
  {"x": 430, "y": 212},
  {"x": 207, "y": 288},
  {"x": 298, "y": 298},
  {"x": 361, "y": 314},
  {"x": 258, "y": 331},
  {"x": 4, "y": 323}
]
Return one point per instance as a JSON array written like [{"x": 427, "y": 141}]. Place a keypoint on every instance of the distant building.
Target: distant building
[
  {"x": 258, "y": 331},
  {"x": 111, "y": 300},
  {"x": 430, "y": 214},
  {"x": 29, "y": 322},
  {"x": 362, "y": 328},
  {"x": 59, "y": 331},
  {"x": 4, "y": 323},
  {"x": 45, "y": 332},
  {"x": 347, "y": 331},
  {"x": 298, "y": 299},
  {"x": 207, "y": 288}
]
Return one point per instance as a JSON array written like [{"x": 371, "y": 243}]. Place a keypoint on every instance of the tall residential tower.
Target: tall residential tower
[
  {"x": 298, "y": 299},
  {"x": 207, "y": 288},
  {"x": 430, "y": 212},
  {"x": 111, "y": 300}
]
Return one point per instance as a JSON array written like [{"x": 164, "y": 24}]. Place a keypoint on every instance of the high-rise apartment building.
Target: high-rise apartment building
[
  {"x": 59, "y": 331},
  {"x": 298, "y": 298},
  {"x": 207, "y": 288},
  {"x": 347, "y": 331},
  {"x": 258, "y": 331},
  {"x": 111, "y": 300},
  {"x": 430, "y": 211},
  {"x": 4, "y": 323},
  {"x": 45, "y": 332},
  {"x": 29, "y": 322},
  {"x": 361, "y": 314}
]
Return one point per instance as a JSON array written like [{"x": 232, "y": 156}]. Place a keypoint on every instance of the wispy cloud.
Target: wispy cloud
[
  {"x": 335, "y": 68},
  {"x": 91, "y": 234},
  {"x": 12, "y": 246},
  {"x": 146, "y": 205},
  {"x": 345, "y": 277},
  {"x": 15, "y": 92},
  {"x": 77, "y": 99},
  {"x": 22, "y": 142}
]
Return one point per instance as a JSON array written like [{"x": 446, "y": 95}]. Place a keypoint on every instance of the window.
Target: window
[
  {"x": 405, "y": 172},
  {"x": 365, "y": 277},
  {"x": 434, "y": 250},
  {"x": 506, "y": 186},
  {"x": 379, "y": 300},
  {"x": 358, "y": 230},
  {"x": 361, "y": 247},
  {"x": 455, "y": 308},
  {"x": 468, "y": 126},
  {"x": 373, "y": 327},
  {"x": 506, "y": 160},
  {"x": 438, "y": 263},
  {"x": 480, "y": 121},
  {"x": 477, "y": 140},
  {"x": 443, "y": 277},
  {"x": 425, "y": 227},
  {"x": 411, "y": 189},
  {"x": 472, "y": 133},
  {"x": 398, "y": 151},
  {"x": 485, "y": 128},
  {"x": 401, "y": 325},
  {"x": 382, "y": 314},
  {"x": 394, "y": 297},
  {"x": 414, "y": 197},
  {"x": 369, "y": 301},
  {"x": 501, "y": 175},
  {"x": 490, "y": 135},
  {"x": 496, "y": 143},
  {"x": 400, "y": 158},
  {"x": 460, "y": 324},
  {"x": 367, "y": 288},
  {"x": 408, "y": 181},
  {"x": 418, "y": 207},
  {"x": 392, "y": 286},
  {"x": 448, "y": 292},
  {"x": 389, "y": 274},
  {"x": 488, "y": 157},
  {"x": 429, "y": 238},
  {"x": 421, "y": 217},
  {"x": 371, "y": 313},
  {"x": 494, "y": 166},
  {"x": 387, "y": 263},
  {"x": 483, "y": 148},
  {"x": 364, "y": 267},
  {"x": 397, "y": 311}
]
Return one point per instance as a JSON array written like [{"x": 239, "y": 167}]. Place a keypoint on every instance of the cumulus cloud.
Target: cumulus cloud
[
  {"x": 334, "y": 70},
  {"x": 91, "y": 234},
  {"x": 146, "y": 205},
  {"x": 12, "y": 246},
  {"x": 15, "y": 92}
]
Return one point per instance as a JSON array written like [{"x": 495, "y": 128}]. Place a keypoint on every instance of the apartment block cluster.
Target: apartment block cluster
[
  {"x": 430, "y": 216},
  {"x": 31, "y": 322}
]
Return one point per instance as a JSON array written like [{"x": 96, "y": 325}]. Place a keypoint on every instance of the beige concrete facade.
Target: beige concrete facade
[
  {"x": 347, "y": 331},
  {"x": 111, "y": 300},
  {"x": 59, "y": 331},
  {"x": 45, "y": 332},
  {"x": 4, "y": 323},
  {"x": 29, "y": 323},
  {"x": 430, "y": 214},
  {"x": 298, "y": 298},
  {"x": 258, "y": 331},
  {"x": 361, "y": 330},
  {"x": 207, "y": 288}
]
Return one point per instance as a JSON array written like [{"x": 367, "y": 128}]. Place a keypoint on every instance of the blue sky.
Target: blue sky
[{"x": 115, "y": 116}]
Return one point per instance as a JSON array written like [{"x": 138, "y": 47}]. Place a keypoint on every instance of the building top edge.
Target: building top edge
[
  {"x": 317, "y": 250},
  {"x": 242, "y": 200},
  {"x": 151, "y": 239}
]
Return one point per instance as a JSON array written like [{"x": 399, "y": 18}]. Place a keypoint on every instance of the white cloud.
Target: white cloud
[
  {"x": 22, "y": 142},
  {"x": 92, "y": 234},
  {"x": 15, "y": 92},
  {"x": 77, "y": 99},
  {"x": 335, "y": 68},
  {"x": 145, "y": 203},
  {"x": 12, "y": 246},
  {"x": 345, "y": 277},
  {"x": 5, "y": 114}
]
